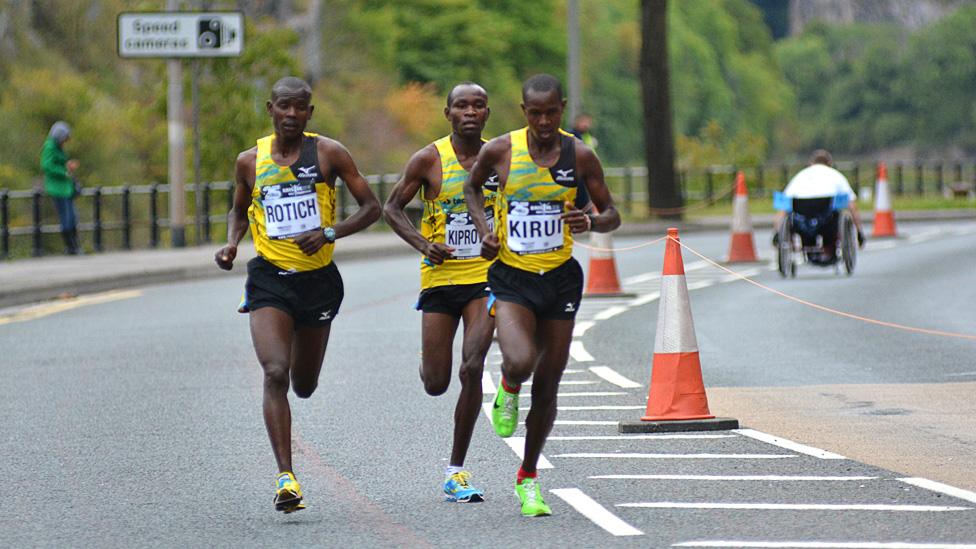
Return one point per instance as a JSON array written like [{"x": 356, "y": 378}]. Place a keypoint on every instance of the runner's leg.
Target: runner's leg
[
  {"x": 272, "y": 331},
  {"x": 555, "y": 337},
  {"x": 516, "y": 326},
  {"x": 478, "y": 328},
  {"x": 307, "y": 354},
  {"x": 437, "y": 350}
]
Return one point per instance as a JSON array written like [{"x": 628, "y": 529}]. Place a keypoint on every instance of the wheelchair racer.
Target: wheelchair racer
[{"x": 820, "y": 180}]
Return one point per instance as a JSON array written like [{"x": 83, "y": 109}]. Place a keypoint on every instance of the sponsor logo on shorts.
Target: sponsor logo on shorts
[
  {"x": 570, "y": 307},
  {"x": 326, "y": 315}
]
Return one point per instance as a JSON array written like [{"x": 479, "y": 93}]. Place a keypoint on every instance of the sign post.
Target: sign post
[{"x": 172, "y": 36}]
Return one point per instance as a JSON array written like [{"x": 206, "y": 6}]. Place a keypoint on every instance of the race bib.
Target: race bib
[
  {"x": 290, "y": 208},
  {"x": 535, "y": 227},
  {"x": 461, "y": 234}
]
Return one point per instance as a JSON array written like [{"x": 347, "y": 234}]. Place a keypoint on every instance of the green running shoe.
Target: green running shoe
[
  {"x": 530, "y": 496},
  {"x": 504, "y": 414}
]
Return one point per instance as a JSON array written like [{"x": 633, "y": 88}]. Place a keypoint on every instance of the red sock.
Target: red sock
[
  {"x": 509, "y": 389},
  {"x": 523, "y": 474}
]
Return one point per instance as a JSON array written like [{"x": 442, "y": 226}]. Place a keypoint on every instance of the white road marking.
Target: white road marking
[
  {"x": 594, "y": 393},
  {"x": 597, "y": 513},
  {"x": 573, "y": 371},
  {"x": 612, "y": 376},
  {"x": 960, "y": 374},
  {"x": 700, "y": 284},
  {"x": 579, "y": 408},
  {"x": 581, "y": 327},
  {"x": 636, "y": 437},
  {"x": 605, "y": 455},
  {"x": 795, "y": 506},
  {"x": 578, "y": 352},
  {"x": 517, "y": 444},
  {"x": 486, "y": 407},
  {"x": 637, "y": 279},
  {"x": 645, "y": 299},
  {"x": 889, "y": 245},
  {"x": 788, "y": 444},
  {"x": 567, "y": 382},
  {"x": 941, "y": 488},
  {"x": 487, "y": 385},
  {"x": 610, "y": 312},
  {"x": 583, "y": 422},
  {"x": 825, "y": 544},
  {"x": 771, "y": 478}
]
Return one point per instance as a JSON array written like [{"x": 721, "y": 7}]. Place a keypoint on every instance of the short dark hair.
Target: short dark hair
[
  {"x": 290, "y": 84},
  {"x": 821, "y": 156},
  {"x": 450, "y": 94},
  {"x": 542, "y": 83}
]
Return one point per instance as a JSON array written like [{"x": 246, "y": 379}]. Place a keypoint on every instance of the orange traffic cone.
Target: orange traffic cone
[
  {"x": 742, "y": 248},
  {"x": 602, "y": 279},
  {"x": 676, "y": 398},
  {"x": 884, "y": 218}
]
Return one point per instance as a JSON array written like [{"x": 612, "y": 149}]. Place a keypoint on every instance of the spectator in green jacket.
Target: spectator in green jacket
[{"x": 59, "y": 183}]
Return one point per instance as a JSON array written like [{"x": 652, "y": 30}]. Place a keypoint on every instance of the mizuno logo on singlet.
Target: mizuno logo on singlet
[
  {"x": 305, "y": 172},
  {"x": 564, "y": 175}
]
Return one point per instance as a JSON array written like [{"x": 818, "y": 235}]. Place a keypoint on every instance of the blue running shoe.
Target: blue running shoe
[{"x": 456, "y": 488}]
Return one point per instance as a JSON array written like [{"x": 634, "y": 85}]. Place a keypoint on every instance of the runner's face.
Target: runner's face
[
  {"x": 468, "y": 111},
  {"x": 290, "y": 112},
  {"x": 544, "y": 113}
]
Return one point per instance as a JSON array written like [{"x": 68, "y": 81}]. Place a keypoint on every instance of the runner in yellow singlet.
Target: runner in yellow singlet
[
  {"x": 536, "y": 284},
  {"x": 453, "y": 275},
  {"x": 285, "y": 190}
]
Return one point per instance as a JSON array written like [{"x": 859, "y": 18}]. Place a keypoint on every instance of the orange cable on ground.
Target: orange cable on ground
[{"x": 827, "y": 309}]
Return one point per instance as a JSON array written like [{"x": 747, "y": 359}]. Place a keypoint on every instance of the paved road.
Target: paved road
[{"x": 133, "y": 417}]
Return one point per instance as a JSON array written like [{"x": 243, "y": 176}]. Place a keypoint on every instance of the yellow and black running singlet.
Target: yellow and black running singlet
[
  {"x": 446, "y": 220},
  {"x": 533, "y": 236},
  {"x": 288, "y": 200}
]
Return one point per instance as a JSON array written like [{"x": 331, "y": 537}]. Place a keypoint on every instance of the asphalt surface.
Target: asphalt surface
[{"x": 134, "y": 417}]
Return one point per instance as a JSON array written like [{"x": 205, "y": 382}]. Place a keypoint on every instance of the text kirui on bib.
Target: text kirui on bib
[
  {"x": 535, "y": 227},
  {"x": 461, "y": 234},
  {"x": 290, "y": 208}
]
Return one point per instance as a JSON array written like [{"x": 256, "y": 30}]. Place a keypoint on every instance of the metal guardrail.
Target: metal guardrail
[{"x": 116, "y": 217}]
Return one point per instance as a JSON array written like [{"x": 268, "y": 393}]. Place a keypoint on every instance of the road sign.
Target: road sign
[{"x": 181, "y": 34}]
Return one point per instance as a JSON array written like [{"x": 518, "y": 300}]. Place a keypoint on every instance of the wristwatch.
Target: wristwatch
[
  {"x": 329, "y": 233},
  {"x": 592, "y": 218}
]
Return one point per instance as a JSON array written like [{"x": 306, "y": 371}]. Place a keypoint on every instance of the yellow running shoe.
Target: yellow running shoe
[{"x": 288, "y": 496}]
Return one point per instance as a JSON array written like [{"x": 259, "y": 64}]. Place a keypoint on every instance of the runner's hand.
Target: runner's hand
[
  {"x": 310, "y": 241},
  {"x": 225, "y": 257},
  {"x": 437, "y": 252},
  {"x": 490, "y": 246},
  {"x": 576, "y": 219}
]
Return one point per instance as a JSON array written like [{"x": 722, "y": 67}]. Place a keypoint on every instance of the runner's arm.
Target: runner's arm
[
  {"x": 607, "y": 217},
  {"x": 237, "y": 216},
  {"x": 487, "y": 162},
  {"x": 369, "y": 207},
  {"x": 414, "y": 174}
]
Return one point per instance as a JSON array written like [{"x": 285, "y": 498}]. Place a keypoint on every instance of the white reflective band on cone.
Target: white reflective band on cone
[
  {"x": 741, "y": 222},
  {"x": 675, "y": 327},
  {"x": 882, "y": 202}
]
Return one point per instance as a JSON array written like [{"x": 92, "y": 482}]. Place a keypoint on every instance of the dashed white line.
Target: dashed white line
[
  {"x": 578, "y": 352},
  {"x": 825, "y": 544},
  {"x": 941, "y": 488},
  {"x": 596, "y": 408},
  {"x": 796, "y": 506},
  {"x": 610, "y": 312},
  {"x": 764, "y": 478},
  {"x": 605, "y": 455},
  {"x": 645, "y": 299},
  {"x": 517, "y": 444},
  {"x": 609, "y": 374},
  {"x": 581, "y": 327},
  {"x": 487, "y": 385},
  {"x": 597, "y": 513},
  {"x": 635, "y": 437},
  {"x": 788, "y": 444}
]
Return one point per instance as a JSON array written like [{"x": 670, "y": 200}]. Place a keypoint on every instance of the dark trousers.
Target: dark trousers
[{"x": 69, "y": 224}]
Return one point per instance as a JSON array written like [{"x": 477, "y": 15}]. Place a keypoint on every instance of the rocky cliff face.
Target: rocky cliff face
[{"x": 910, "y": 14}]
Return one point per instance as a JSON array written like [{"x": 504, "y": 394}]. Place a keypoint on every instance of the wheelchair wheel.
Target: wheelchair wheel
[
  {"x": 848, "y": 241},
  {"x": 784, "y": 256}
]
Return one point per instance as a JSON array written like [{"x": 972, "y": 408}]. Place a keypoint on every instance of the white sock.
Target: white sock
[{"x": 452, "y": 469}]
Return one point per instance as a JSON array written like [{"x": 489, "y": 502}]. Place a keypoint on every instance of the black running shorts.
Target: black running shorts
[
  {"x": 450, "y": 299},
  {"x": 554, "y": 295},
  {"x": 312, "y": 298}
]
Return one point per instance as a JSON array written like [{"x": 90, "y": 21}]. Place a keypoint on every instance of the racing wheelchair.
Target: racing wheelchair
[{"x": 808, "y": 225}]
